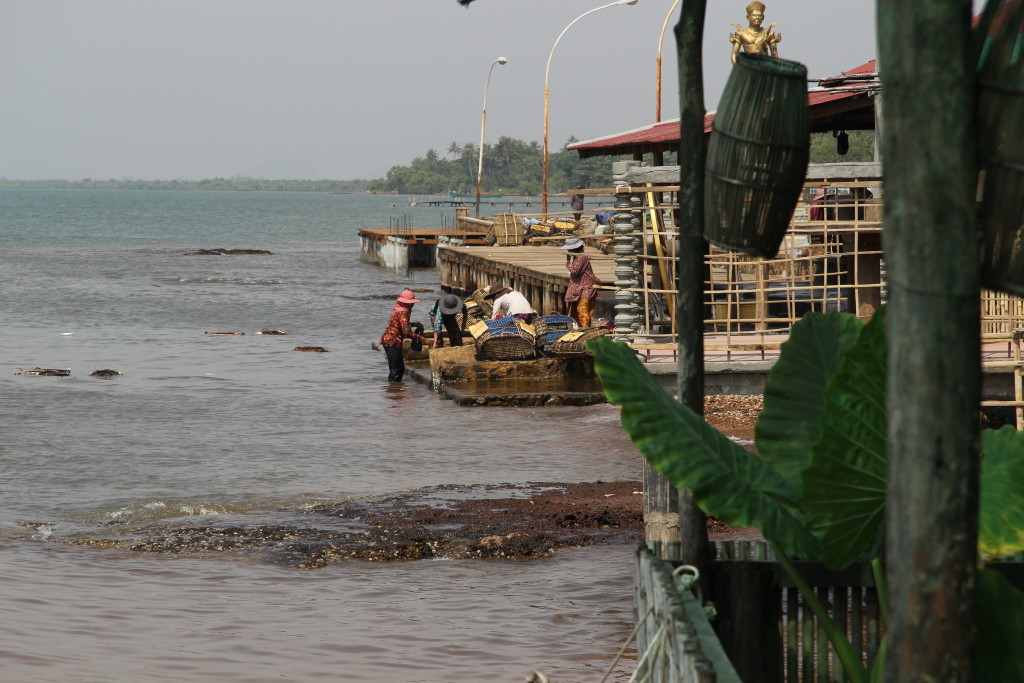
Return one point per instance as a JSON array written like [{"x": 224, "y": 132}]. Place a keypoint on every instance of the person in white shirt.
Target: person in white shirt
[{"x": 508, "y": 301}]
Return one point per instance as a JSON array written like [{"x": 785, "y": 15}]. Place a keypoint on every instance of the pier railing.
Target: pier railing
[{"x": 760, "y": 621}]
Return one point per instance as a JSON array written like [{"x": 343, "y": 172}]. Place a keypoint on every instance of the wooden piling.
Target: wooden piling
[{"x": 933, "y": 386}]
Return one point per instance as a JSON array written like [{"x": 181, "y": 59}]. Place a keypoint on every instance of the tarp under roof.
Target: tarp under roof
[{"x": 847, "y": 104}]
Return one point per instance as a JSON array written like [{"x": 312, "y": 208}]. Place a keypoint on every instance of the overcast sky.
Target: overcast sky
[{"x": 345, "y": 89}]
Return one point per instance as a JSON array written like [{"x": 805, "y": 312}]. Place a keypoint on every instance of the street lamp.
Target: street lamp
[
  {"x": 657, "y": 108},
  {"x": 483, "y": 126},
  {"x": 544, "y": 181}
]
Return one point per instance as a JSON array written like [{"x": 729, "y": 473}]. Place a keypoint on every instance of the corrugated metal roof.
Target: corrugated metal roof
[{"x": 837, "y": 106}]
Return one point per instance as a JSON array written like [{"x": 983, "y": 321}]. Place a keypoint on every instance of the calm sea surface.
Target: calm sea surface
[{"x": 241, "y": 427}]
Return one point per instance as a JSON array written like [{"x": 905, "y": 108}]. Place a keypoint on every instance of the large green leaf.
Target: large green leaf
[
  {"x": 844, "y": 487},
  {"x": 727, "y": 481},
  {"x": 794, "y": 395},
  {"x": 1000, "y": 629},
  {"x": 1001, "y": 514}
]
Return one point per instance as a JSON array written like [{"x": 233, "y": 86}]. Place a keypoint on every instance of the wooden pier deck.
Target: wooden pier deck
[
  {"x": 503, "y": 203},
  {"x": 422, "y": 235},
  {"x": 401, "y": 248},
  {"x": 538, "y": 272}
]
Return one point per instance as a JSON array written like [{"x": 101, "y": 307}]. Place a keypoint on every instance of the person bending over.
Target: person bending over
[
  {"x": 508, "y": 301},
  {"x": 395, "y": 333}
]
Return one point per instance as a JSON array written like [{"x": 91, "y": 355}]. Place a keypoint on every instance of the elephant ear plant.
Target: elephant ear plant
[{"x": 817, "y": 486}]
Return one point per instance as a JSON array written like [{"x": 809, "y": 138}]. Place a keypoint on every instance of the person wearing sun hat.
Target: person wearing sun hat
[
  {"x": 508, "y": 301},
  {"x": 581, "y": 294},
  {"x": 443, "y": 314},
  {"x": 397, "y": 330}
]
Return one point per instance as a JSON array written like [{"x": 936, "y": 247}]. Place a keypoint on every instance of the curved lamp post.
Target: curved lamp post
[
  {"x": 483, "y": 126},
  {"x": 657, "y": 108},
  {"x": 544, "y": 181}
]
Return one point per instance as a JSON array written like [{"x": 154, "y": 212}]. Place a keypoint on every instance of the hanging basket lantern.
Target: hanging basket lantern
[
  {"x": 1000, "y": 109},
  {"x": 757, "y": 155}
]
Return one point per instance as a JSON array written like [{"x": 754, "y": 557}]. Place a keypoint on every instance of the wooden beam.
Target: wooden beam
[
  {"x": 933, "y": 385},
  {"x": 692, "y": 270}
]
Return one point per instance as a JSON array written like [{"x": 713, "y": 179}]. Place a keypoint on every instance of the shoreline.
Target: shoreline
[{"x": 528, "y": 520}]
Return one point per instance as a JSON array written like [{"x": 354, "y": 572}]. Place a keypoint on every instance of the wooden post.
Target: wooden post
[
  {"x": 933, "y": 385},
  {"x": 691, "y": 267}
]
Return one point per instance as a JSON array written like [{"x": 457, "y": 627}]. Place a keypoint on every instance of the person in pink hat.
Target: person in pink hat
[{"x": 395, "y": 333}]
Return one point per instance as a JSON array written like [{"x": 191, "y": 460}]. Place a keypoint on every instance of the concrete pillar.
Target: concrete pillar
[
  {"x": 396, "y": 253},
  {"x": 626, "y": 277}
]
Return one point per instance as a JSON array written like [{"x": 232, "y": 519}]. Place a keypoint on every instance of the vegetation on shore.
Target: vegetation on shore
[
  {"x": 511, "y": 166},
  {"x": 515, "y": 167}
]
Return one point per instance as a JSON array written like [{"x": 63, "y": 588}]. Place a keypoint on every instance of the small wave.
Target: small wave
[
  {"x": 159, "y": 509},
  {"x": 43, "y": 532},
  {"x": 176, "y": 377},
  {"x": 245, "y": 281},
  {"x": 201, "y": 510}
]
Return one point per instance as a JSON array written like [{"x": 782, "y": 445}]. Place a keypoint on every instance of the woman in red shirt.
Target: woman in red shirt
[
  {"x": 395, "y": 333},
  {"x": 582, "y": 291}
]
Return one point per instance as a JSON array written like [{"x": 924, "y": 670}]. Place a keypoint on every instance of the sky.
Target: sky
[{"x": 346, "y": 89}]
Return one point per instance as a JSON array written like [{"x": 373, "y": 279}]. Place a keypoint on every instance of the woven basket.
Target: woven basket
[
  {"x": 571, "y": 343},
  {"x": 504, "y": 339},
  {"x": 1000, "y": 112},
  {"x": 550, "y": 328},
  {"x": 485, "y": 307},
  {"x": 757, "y": 155},
  {"x": 475, "y": 313},
  {"x": 555, "y": 229},
  {"x": 507, "y": 230}
]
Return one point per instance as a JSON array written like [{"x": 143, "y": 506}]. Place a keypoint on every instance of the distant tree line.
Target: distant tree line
[
  {"x": 235, "y": 184},
  {"x": 511, "y": 166}
]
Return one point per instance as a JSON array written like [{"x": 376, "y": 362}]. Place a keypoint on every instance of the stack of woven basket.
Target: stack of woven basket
[
  {"x": 550, "y": 328},
  {"x": 504, "y": 338},
  {"x": 571, "y": 344}
]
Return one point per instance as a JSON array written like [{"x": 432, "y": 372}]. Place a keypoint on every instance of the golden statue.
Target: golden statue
[{"x": 753, "y": 39}]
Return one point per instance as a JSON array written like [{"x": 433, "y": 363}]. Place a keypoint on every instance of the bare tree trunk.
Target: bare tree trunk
[
  {"x": 690, "y": 309},
  {"x": 933, "y": 391}
]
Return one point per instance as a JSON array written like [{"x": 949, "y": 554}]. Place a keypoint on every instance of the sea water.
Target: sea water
[{"x": 204, "y": 426}]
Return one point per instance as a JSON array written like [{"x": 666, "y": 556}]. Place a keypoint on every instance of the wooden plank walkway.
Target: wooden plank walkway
[
  {"x": 422, "y": 235},
  {"x": 538, "y": 272}
]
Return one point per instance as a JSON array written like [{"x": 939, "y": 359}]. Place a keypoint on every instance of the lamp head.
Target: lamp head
[
  {"x": 501, "y": 60},
  {"x": 626, "y": 2}
]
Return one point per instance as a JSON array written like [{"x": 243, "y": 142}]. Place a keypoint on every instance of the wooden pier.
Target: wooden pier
[
  {"x": 539, "y": 272},
  {"x": 402, "y": 248},
  {"x": 498, "y": 204}
]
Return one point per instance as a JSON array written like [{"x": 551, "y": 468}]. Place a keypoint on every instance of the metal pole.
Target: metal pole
[
  {"x": 483, "y": 127},
  {"x": 657, "y": 80},
  {"x": 547, "y": 71}
]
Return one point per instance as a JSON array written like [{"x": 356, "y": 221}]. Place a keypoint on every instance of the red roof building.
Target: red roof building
[{"x": 845, "y": 102}]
